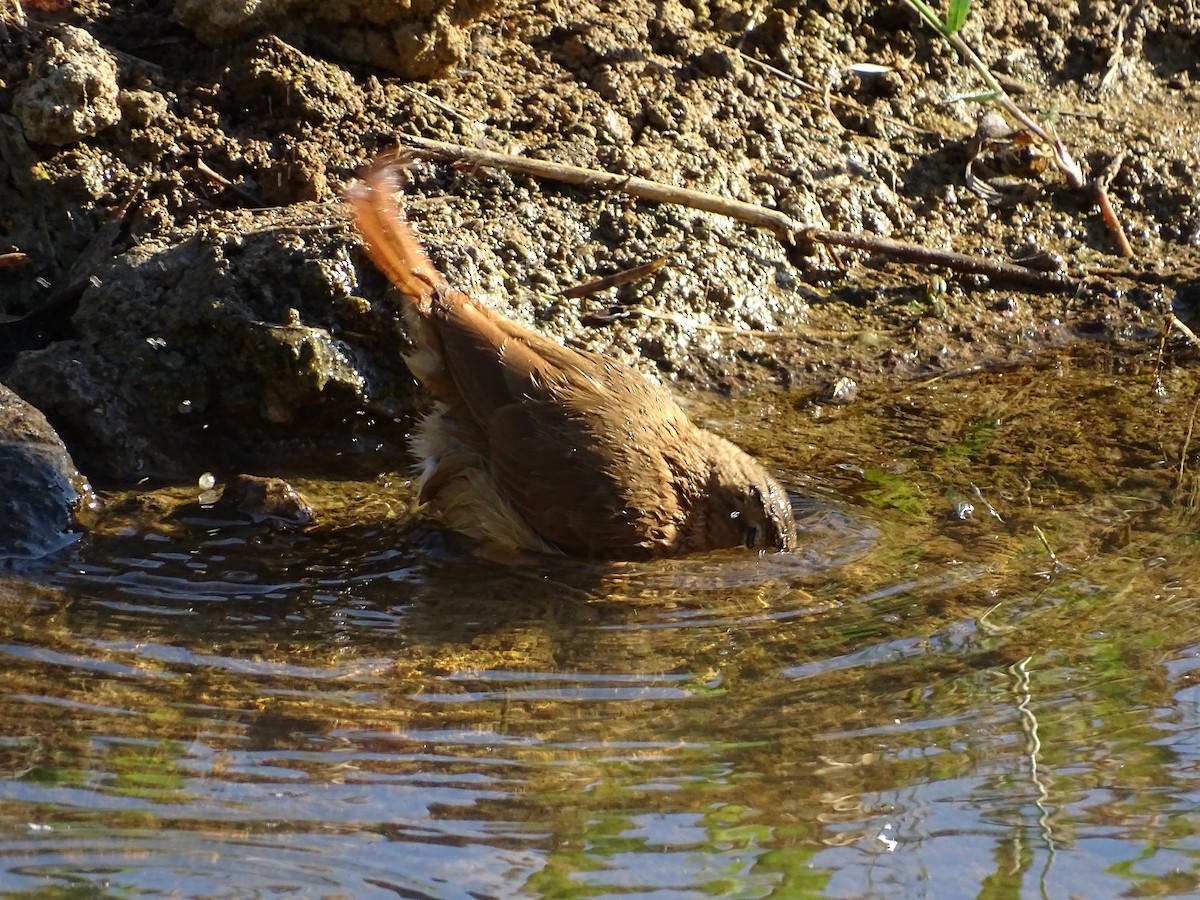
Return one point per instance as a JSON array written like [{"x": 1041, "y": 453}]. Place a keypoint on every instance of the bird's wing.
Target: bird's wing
[
  {"x": 573, "y": 485},
  {"x": 496, "y": 362},
  {"x": 575, "y": 440}
]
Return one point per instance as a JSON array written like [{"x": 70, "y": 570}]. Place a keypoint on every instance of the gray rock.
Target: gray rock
[
  {"x": 211, "y": 355},
  {"x": 41, "y": 491},
  {"x": 72, "y": 93}
]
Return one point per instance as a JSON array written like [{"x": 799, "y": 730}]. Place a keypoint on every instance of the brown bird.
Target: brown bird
[{"x": 535, "y": 446}]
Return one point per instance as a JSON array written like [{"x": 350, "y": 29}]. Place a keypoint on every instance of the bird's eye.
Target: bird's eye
[{"x": 751, "y": 537}]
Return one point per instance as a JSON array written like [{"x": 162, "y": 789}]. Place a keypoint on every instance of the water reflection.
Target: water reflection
[{"x": 920, "y": 703}]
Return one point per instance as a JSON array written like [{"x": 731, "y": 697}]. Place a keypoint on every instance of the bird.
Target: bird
[{"x": 533, "y": 446}]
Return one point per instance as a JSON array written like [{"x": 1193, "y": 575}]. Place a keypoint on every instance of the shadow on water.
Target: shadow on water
[{"x": 977, "y": 678}]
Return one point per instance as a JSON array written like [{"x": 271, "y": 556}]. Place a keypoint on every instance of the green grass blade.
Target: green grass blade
[
  {"x": 957, "y": 14},
  {"x": 929, "y": 15}
]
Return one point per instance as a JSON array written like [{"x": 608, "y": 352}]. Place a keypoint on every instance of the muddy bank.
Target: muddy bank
[{"x": 191, "y": 297}]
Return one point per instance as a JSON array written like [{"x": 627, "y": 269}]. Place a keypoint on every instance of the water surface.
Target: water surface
[{"x": 979, "y": 679}]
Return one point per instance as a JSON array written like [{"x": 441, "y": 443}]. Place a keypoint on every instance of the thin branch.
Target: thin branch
[
  {"x": 1173, "y": 322},
  {"x": 1111, "y": 221},
  {"x": 1187, "y": 442},
  {"x": 446, "y": 108},
  {"x": 824, "y": 336},
  {"x": 615, "y": 280},
  {"x": 826, "y": 97},
  {"x": 783, "y": 226},
  {"x": 209, "y": 172},
  {"x": 958, "y": 262},
  {"x": 1058, "y": 566},
  {"x": 787, "y": 230}
]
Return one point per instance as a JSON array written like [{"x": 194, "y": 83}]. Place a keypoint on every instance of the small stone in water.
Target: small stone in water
[
  {"x": 207, "y": 481},
  {"x": 845, "y": 390}
]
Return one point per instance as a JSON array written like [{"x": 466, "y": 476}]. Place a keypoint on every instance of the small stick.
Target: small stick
[
  {"x": 1159, "y": 389},
  {"x": 11, "y": 259},
  {"x": 446, "y": 108},
  {"x": 615, "y": 280},
  {"x": 779, "y": 73},
  {"x": 1107, "y": 213},
  {"x": 814, "y": 335},
  {"x": 209, "y": 172},
  {"x": 784, "y": 227},
  {"x": 1187, "y": 442},
  {"x": 1173, "y": 322},
  {"x": 825, "y": 95},
  {"x": 959, "y": 262},
  {"x": 1045, "y": 543}
]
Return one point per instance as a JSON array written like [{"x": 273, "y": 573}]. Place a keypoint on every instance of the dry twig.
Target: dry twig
[
  {"x": 826, "y": 96},
  {"x": 209, "y": 172},
  {"x": 788, "y": 230},
  {"x": 1187, "y": 442},
  {"x": 1173, "y": 322},
  {"x": 1100, "y": 187},
  {"x": 615, "y": 280}
]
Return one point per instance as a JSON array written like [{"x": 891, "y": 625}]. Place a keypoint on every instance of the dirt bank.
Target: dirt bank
[{"x": 191, "y": 297}]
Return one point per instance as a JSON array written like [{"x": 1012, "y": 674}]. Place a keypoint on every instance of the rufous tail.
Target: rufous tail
[{"x": 390, "y": 241}]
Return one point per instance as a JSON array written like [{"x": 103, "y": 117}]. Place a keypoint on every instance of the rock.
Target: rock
[
  {"x": 41, "y": 491},
  {"x": 270, "y": 500},
  {"x": 421, "y": 39},
  {"x": 72, "y": 93},
  {"x": 718, "y": 62},
  {"x": 204, "y": 356}
]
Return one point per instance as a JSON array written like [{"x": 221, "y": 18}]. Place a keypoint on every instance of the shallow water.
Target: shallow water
[{"x": 929, "y": 701}]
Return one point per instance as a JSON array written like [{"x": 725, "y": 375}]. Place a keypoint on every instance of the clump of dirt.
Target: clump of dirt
[
  {"x": 71, "y": 93},
  {"x": 192, "y": 297},
  {"x": 421, "y": 39}
]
